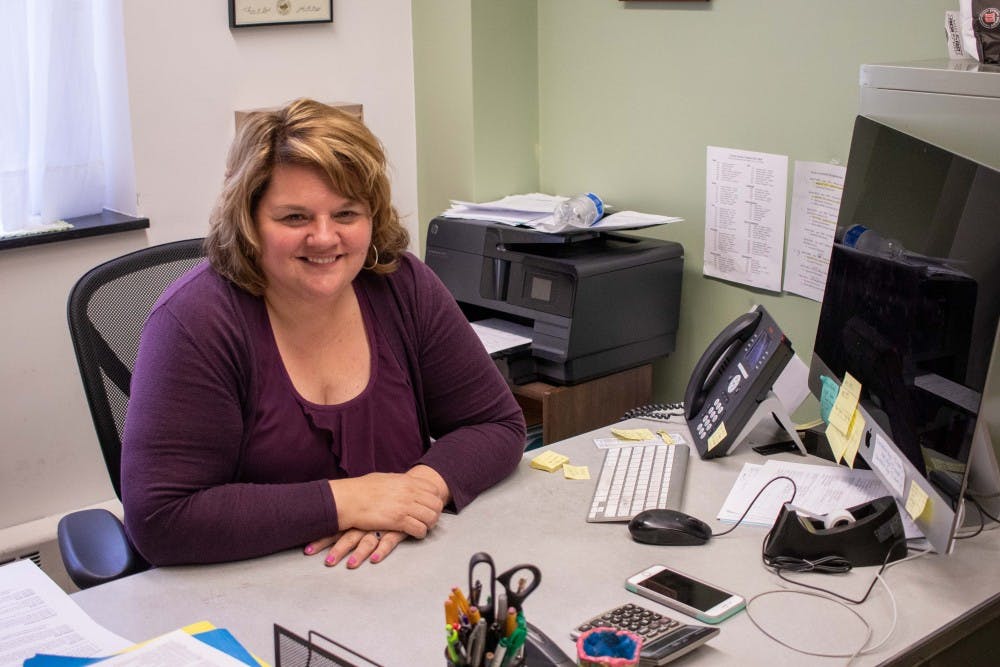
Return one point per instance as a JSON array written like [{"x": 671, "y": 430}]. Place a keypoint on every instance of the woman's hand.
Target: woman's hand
[
  {"x": 409, "y": 503},
  {"x": 360, "y": 544}
]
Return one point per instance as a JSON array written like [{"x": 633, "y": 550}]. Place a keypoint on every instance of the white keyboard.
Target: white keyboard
[{"x": 639, "y": 477}]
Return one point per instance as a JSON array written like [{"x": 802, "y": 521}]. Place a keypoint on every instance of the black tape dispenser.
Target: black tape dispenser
[{"x": 867, "y": 534}]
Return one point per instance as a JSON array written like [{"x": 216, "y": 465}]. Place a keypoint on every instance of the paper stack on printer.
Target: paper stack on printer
[{"x": 535, "y": 211}]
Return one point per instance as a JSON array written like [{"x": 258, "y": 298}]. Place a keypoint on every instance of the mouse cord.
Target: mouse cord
[
  {"x": 824, "y": 594},
  {"x": 747, "y": 510}
]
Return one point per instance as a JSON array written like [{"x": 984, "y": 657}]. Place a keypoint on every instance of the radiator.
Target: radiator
[{"x": 36, "y": 541}]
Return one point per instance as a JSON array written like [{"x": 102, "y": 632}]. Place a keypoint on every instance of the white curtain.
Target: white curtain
[{"x": 54, "y": 90}]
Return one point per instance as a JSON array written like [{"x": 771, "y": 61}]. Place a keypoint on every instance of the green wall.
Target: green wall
[{"x": 630, "y": 94}]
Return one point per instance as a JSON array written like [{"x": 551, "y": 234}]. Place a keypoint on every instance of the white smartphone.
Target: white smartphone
[{"x": 684, "y": 593}]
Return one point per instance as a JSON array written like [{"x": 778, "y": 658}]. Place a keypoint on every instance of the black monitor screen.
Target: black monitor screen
[{"x": 915, "y": 327}]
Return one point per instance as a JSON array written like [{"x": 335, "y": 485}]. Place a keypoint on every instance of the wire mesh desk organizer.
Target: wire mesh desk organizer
[
  {"x": 489, "y": 631},
  {"x": 316, "y": 650}
]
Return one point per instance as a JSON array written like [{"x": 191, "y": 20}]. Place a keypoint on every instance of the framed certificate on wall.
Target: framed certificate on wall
[{"x": 248, "y": 13}]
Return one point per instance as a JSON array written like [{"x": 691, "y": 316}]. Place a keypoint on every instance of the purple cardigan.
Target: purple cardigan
[{"x": 222, "y": 459}]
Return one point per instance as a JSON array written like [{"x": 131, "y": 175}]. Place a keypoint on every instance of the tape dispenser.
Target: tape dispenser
[{"x": 866, "y": 534}]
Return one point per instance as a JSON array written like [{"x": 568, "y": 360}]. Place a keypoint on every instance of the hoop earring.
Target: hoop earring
[{"x": 374, "y": 263}]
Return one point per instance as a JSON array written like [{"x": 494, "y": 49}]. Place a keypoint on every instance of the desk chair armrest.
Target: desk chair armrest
[{"x": 95, "y": 548}]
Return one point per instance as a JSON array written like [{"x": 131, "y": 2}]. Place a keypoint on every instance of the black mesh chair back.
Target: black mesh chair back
[{"x": 107, "y": 309}]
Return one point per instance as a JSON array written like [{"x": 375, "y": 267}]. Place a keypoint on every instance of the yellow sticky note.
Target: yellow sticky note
[
  {"x": 666, "y": 437},
  {"x": 549, "y": 461},
  {"x": 575, "y": 472},
  {"x": 854, "y": 437},
  {"x": 847, "y": 400},
  {"x": 916, "y": 501},
  {"x": 633, "y": 433},
  {"x": 717, "y": 437},
  {"x": 837, "y": 440}
]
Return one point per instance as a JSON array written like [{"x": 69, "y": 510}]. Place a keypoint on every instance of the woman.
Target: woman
[{"x": 312, "y": 383}]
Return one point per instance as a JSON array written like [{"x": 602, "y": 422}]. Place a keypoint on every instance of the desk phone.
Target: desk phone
[{"x": 732, "y": 379}]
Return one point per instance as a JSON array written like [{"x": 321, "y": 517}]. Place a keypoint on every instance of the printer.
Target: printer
[{"x": 597, "y": 302}]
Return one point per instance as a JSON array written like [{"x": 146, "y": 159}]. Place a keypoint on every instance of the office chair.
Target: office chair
[{"x": 106, "y": 311}]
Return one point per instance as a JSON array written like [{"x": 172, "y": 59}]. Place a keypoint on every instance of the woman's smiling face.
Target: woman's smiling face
[{"x": 313, "y": 241}]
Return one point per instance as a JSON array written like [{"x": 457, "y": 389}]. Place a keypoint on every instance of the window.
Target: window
[{"x": 65, "y": 140}]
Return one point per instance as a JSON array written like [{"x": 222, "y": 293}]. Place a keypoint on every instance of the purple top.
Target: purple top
[{"x": 222, "y": 458}]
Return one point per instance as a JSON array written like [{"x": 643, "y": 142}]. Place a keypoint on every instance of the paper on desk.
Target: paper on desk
[
  {"x": 36, "y": 616},
  {"x": 176, "y": 649},
  {"x": 819, "y": 490},
  {"x": 499, "y": 335}
]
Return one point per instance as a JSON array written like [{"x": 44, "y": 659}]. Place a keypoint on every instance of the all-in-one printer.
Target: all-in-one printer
[{"x": 597, "y": 302}]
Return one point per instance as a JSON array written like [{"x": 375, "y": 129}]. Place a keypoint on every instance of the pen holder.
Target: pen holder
[
  {"x": 607, "y": 647},
  {"x": 494, "y": 653}
]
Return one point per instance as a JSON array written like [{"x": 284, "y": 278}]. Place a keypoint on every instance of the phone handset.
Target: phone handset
[{"x": 705, "y": 371}]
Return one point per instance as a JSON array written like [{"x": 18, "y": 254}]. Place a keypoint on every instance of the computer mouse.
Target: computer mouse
[{"x": 668, "y": 527}]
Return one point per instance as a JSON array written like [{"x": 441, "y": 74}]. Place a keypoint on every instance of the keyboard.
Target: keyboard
[{"x": 639, "y": 477}]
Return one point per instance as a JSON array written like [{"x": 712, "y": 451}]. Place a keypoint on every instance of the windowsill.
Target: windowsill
[{"x": 105, "y": 222}]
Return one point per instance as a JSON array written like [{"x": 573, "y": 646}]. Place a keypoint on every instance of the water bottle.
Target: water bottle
[
  {"x": 868, "y": 240},
  {"x": 579, "y": 211}
]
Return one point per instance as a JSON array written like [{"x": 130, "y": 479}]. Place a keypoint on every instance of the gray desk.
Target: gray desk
[{"x": 393, "y": 611}]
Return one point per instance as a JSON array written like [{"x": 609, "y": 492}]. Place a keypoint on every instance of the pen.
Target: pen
[
  {"x": 501, "y": 605},
  {"x": 499, "y": 654},
  {"x": 477, "y": 644},
  {"x": 516, "y": 640},
  {"x": 452, "y": 635}
]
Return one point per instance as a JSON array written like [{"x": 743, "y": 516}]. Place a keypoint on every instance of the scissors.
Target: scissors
[{"x": 515, "y": 593}]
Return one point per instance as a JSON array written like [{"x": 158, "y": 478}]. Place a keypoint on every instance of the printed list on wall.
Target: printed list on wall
[
  {"x": 816, "y": 192},
  {"x": 745, "y": 216}
]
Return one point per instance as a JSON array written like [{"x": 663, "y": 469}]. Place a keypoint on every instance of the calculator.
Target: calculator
[{"x": 663, "y": 638}]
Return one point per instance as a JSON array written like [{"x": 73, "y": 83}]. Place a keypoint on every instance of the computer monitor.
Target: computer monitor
[{"x": 918, "y": 330}]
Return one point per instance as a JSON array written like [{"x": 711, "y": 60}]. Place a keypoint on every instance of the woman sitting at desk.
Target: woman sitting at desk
[{"x": 313, "y": 383}]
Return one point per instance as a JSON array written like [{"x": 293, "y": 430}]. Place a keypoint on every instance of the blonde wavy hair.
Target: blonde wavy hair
[{"x": 308, "y": 133}]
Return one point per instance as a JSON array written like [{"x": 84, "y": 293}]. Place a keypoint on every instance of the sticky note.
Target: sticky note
[
  {"x": 827, "y": 397},
  {"x": 717, "y": 437},
  {"x": 847, "y": 401},
  {"x": 916, "y": 501},
  {"x": 854, "y": 437},
  {"x": 549, "y": 461},
  {"x": 633, "y": 433},
  {"x": 838, "y": 442},
  {"x": 575, "y": 472}
]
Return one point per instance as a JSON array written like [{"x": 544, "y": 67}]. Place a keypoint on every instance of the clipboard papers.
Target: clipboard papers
[{"x": 501, "y": 337}]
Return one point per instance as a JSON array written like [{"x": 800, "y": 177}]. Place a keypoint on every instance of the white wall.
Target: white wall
[{"x": 187, "y": 73}]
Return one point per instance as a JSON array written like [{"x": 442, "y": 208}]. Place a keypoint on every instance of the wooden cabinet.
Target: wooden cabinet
[{"x": 568, "y": 411}]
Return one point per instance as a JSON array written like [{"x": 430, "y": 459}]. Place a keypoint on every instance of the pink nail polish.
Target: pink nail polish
[
  {"x": 352, "y": 561},
  {"x": 309, "y": 549},
  {"x": 375, "y": 558},
  {"x": 331, "y": 560}
]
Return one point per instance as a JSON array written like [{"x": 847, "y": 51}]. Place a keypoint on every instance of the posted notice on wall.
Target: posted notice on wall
[
  {"x": 816, "y": 191},
  {"x": 745, "y": 216}
]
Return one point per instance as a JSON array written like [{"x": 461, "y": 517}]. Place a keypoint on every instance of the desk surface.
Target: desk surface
[{"x": 393, "y": 611}]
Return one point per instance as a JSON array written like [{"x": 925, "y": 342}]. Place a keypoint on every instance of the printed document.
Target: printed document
[
  {"x": 820, "y": 489},
  {"x": 36, "y": 616},
  {"x": 816, "y": 191},
  {"x": 745, "y": 216}
]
